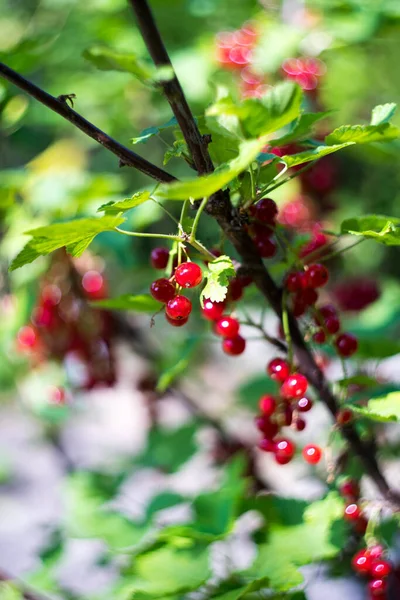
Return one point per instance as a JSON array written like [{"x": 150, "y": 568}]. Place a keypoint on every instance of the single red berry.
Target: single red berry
[
  {"x": 267, "y": 405},
  {"x": 176, "y": 322},
  {"x": 284, "y": 451},
  {"x": 309, "y": 296},
  {"x": 288, "y": 415},
  {"x": 261, "y": 232},
  {"x": 235, "y": 289},
  {"x": 267, "y": 445},
  {"x": 234, "y": 346},
  {"x": 380, "y": 569},
  {"x": 377, "y": 588},
  {"x": 300, "y": 424},
  {"x": 317, "y": 275},
  {"x": 304, "y": 404},
  {"x": 178, "y": 308},
  {"x": 245, "y": 280},
  {"x": 326, "y": 311},
  {"x": 299, "y": 307},
  {"x": 266, "y": 211},
  {"x": 159, "y": 257},
  {"x": 267, "y": 427},
  {"x": 266, "y": 248},
  {"x": 57, "y": 395},
  {"x": 344, "y": 416},
  {"x": 162, "y": 290},
  {"x": 294, "y": 386},
  {"x": 352, "y": 512},
  {"x": 92, "y": 282},
  {"x": 213, "y": 310},
  {"x": 51, "y": 295},
  {"x": 376, "y": 551},
  {"x": 278, "y": 369},
  {"x": 360, "y": 526},
  {"x": 346, "y": 344},
  {"x": 227, "y": 327},
  {"x": 332, "y": 324},
  {"x": 319, "y": 337},
  {"x": 361, "y": 562},
  {"x": 26, "y": 337},
  {"x": 350, "y": 489},
  {"x": 296, "y": 282},
  {"x": 188, "y": 275},
  {"x": 312, "y": 454}
]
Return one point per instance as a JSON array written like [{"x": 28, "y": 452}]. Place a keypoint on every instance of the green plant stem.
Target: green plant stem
[
  {"x": 166, "y": 211},
  {"x": 286, "y": 329},
  {"x": 162, "y": 236},
  {"x": 197, "y": 219},
  {"x": 341, "y": 251},
  {"x": 202, "y": 249},
  {"x": 267, "y": 189}
]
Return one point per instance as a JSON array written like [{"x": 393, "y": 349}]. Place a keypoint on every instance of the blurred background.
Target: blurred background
[{"x": 92, "y": 401}]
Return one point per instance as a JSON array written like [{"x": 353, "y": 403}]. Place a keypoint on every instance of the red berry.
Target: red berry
[
  {"x": 294, "y": 386},
  {"x": 176, "y": 322},
  {"x": 288, "y": 414},
  {"x": 268, "y": 428},
  {"x": 319, "y": 337},
  {"x": 26, "y": 337},
  {"x": 312, "y": 454},
  {"x": 360, "y": 526},
  {"x": 332, "y": 324},
  {"x": 346, "y": 344},
  {"x": 162, "y": 290},
  {"x": 284, "y": 451},
  {"x": 344, "y": 416},
  {"x": 266, "y": 211},
  {"x": 304, "y": 404},
  {"x": 296, "y": 282},
  {"x": 352, "y": 512},
  {"x": 376, "y": 551},
  {"x": 377, "y": 588},
  {"x": 266, "y": 248},
  {"x": 51, "y": 295},
  {"x": 245, "y": 280},
  {"x": 57, "y": 395},
  {"x": 317, "y": 275},
  {"x": 267, "y": 405},
  {"x": 235, "y": 289},
  {"x": 260, "y": 232},
  {"x": 227, "y": 327},
  {"x": 327, "y": 310},
  {"x": 300, "y": 424},
  {"x": 278, "y": 369},
  {"x": 178, "y": 308},
  {"x": 309, "y": 296},
  {"x": 267, "y": 445},
  {"x": 380, "y": 569},
  {"x": 350, "y": 489},
  {"x": 361, "y": 562},
  {"x": 188, "y": 275},
  {"x": 159, "y": 258},
  {"x": 213, "y": 310},
  {"x": 299, "y": 306},
  {"x": 92, "y": 282},
  {"x": 234, "y": 346}
]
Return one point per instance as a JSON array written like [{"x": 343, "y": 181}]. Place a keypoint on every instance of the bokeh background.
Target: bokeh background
[{"x": 108, "y": 366}]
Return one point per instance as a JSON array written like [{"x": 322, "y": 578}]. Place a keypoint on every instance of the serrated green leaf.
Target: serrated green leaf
[
  {"x": 383, "y": 409},
  {"x": 150, "y": 132},
  {"x": 302, "y": 128},
  {"x": 206, "y": 185},
  {"x": 75, "y": 236},
  {"x": 217, "y": 275},
  {"x": 380, "y": 228},
  {"x": 363, "y": 134},
  {"x": 383, "y": 113},
  {"x": 168, "y": 449},
  {"x": 106, "y": 59},
  {"x": 178, "y": 149},
  {"x": 113, "y": 208},
  {"x": 143, "y": 303},
  {"x": 300, "y": 158}
]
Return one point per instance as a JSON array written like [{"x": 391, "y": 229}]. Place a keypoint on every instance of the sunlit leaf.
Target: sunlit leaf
[
  {"x": 380, "y": 228},
  {"x": 385, "y": 408},
  {"x": 141, "y": 303},
  {"x": 217, "y": 275},
  {"x": 119, "y": 206}
]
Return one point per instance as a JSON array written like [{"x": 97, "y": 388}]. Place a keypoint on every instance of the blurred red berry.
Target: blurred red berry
[
  {"x": 346, "y": 344},
  {"x": 162, "y": 290},
  {"x": 159, "y": 257}
]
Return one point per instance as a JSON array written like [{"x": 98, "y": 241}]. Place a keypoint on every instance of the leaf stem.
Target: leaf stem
[
  {"x": 163, "y": 236},
  {"x": 197, "y": 219}
]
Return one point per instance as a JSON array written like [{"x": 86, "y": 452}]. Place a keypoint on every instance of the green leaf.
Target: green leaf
[
  {"x": 206, "y": 185},
  {"x": 74, "y": 235},
  {"x": 380, "y": 228},
  {"x": 113, "y": 208},
  {"x": 178, "y": 149},
  {"x": 150, "y": 132},
  {"x": 169, "y": 449},
  {"x": 377, "y": 347},
  {"x": 217, "y": 275},
  {"x": 302, "y": 128},
  {"x": 300, "y": 158},
  {"x": 8, "y": 591},
  {"x": 383, "y": 113},
  {"x": 179, "y": 365},
  {"x": 106, "y": 59},
  {"x": 242, "y": 592},
  {"x": 250, "y": 392},
  {"x": 363, "y": 134},
  {"x": 143, "y": 303},
  {"x": 384, "y": 409}
]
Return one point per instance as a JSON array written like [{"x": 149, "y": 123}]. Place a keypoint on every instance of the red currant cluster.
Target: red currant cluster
[
  {"x": 263, "y": 216},
  {"x": 369, "y": 562},
  {"x": 305, "y": 71},
  {"x": 64, "y": 326},
  {"x": 285, "y": 411}
]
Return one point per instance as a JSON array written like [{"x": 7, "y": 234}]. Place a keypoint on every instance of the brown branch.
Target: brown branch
[
  {"x": 221, "y": 209},
  {"x": 60, "y": 106}
]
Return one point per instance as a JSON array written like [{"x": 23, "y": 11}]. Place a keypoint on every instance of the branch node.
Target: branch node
[{"x": 67, "y": 98}]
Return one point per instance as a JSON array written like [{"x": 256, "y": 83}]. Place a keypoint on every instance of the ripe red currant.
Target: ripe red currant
[
  {"x": 376, "y": 551},
  {"x": 350, "y": 489},
  {"x": 352, "y": 512},
  {"x": 26, "y": 337},
  {"x": 92, "y": 282},
  {"x": 312, "y": 454},
  {"x": 213, "y": 310},
  {"x": 266, "y": 248},
  {"x": 267, "y": 445},
  {"x": 377, "y": 588},
  {"x": 319, "y": 337},
  {"x": 159, "y": 257},
  {"x": 278, "y": 369},
  {"x": 288, "y": 415},
  {"x": 176, "y": 322},
  {"x": 344, "y": 416},
  {"x": 309, "y": 296},
  {"x": 57, "y": 395},
  {"x": 332, "y": 324},
  {"x": 304, "y": 404},
  {"x": 188, "y": 275},
  {"x": 361, "y": 562},
  {"x": 268, "y": 428},
  {"x": 227, "y": 327},
  {"x": 298, "y": 306},
  {"x": 317, "y": 275},
  {"x": 300, "y": 424},
  {"x": 284, "y": 451},
  {"x": 234, "y": 345},
  {"x": 326, "y": 311},
  {"x": 295, "y": 386},
  {"x": 235, "y": 289},
  {"x": 380, "y": 569},
  {"x": 267, "y": 405},
  {"x": 266, "y": 211},
  {"x": 296, "y": 282},
  {"x": 178, "y": 308},
  {"x": 162, "y": 290},
  {"x": 346, "y": 344}
]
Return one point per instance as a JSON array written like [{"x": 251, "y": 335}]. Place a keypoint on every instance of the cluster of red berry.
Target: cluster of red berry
[
  {"x": 368, "y": 562},
  {"x": 285, "y": 411},
  {"x": 262, "y": 222},
  {"x": 305, "y": 71},
  {"x": 65, "y": 328}
]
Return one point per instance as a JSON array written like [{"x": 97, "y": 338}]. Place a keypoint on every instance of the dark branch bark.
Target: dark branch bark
[
  {"x": 221, "y": 209},
  {"x": 60, "y": 106}
]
